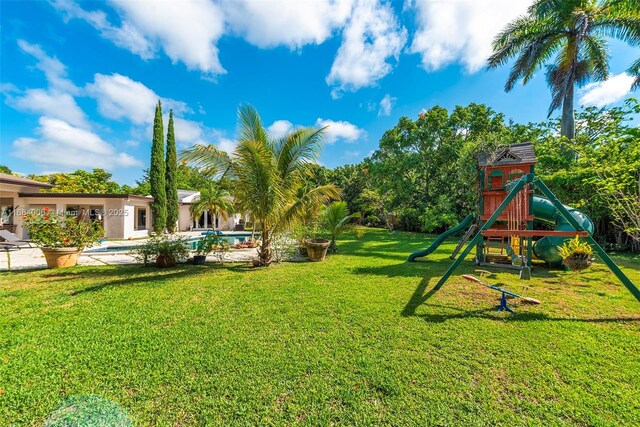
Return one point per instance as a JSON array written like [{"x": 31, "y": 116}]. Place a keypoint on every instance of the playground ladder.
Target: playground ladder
[{"x": 462, "y": 241}]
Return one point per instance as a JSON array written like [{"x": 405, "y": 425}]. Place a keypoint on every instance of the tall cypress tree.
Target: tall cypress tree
[
  {"x": 172, "y": 179},
  {"x": 157, "y": 174}
]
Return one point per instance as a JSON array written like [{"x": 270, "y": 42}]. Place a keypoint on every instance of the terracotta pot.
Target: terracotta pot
[
  {"x": 163, "y": 261},
  {"x": 317, "y": 249},
  {"x": 61, "y": 257}
]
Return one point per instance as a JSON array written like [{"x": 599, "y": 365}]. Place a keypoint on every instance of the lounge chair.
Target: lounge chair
[{"x": 12, "y": 239}]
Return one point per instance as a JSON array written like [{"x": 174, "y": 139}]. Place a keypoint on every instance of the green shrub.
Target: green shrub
[
  {"x": 174, "y": 248},
  {"x": 409, "y": 219}
]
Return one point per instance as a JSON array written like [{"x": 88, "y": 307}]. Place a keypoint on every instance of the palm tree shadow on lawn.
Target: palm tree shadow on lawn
[{"x": 136, "y": 275}]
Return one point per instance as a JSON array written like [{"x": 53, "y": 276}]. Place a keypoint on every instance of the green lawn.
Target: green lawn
[{"x": 356, "y": 340}]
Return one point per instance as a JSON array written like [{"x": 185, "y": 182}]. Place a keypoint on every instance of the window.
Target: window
[
  {"x": 141, "y": 218},
  {"x": 496, "y": 180},
  {"x": 515, "y": 174},
  {"x": 73, "y": 210}
]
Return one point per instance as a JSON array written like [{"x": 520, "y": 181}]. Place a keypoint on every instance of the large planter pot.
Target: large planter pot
[
  {"x": 199, "y": 259},
  {"x": 61, "y": 257},
  {"x": 317, "y": 249},
  {"x": 163, "y": 261}
]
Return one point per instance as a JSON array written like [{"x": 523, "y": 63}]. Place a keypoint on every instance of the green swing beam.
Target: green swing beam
[{"x": 519, "y": 185}]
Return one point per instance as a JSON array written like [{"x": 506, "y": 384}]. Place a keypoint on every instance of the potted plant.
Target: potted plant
[
  {"x": 317, "y": 249},
  {"x": 334, "y": 219},
  {"x": 204, "y": 246},
  {"x": 163, "y": 251},
  {"x": 61, "y": 237},
  {"x": 576, "y": 254}
]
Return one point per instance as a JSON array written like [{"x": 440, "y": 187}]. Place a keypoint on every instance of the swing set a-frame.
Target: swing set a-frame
[{"x": 514, "y": 190}]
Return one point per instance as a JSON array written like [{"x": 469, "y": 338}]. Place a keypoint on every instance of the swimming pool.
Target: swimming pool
[{"x": 231, "y": 239}]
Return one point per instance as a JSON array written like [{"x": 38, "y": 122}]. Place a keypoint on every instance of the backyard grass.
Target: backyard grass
[{"x": 356, "y": 340}]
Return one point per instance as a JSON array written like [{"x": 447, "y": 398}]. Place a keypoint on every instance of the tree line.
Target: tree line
[{"x": 423, "y": 175}]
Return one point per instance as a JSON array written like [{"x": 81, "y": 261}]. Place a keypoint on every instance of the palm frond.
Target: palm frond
[
  {"x": 622, "y": 23},
  {"x": 250, "y": 126},
  {"x": 209, "y": 159},
  {"x": 298, "y": 149},
  {"x": 634, "y": 70},
  {"x": 314, "y": 197},
  {"x": 596, "y": 53},
  {"x": 214, "y": 200}
]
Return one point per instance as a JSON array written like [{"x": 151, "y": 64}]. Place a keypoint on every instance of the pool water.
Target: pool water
[{"x": 191, "y": 242}]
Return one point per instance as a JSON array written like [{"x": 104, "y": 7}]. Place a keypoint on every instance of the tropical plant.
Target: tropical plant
[
  {"x": 157, "y": 173},
  {"x": 171, "y": 164},
  {"x": 214, "y": 200},
  {"x": 575, "y": 247},
  {"x": 169, "y": 250},
  {"x": 634, "y": 70},
  {"x": 60, "y": 230},
  {"x": 268, "y": 173},
  {"x": 574, "y": 30},
  {"x": 576, "y": 254},
  {"x": 207, "y": 243},
  {"x": 335, "y": 218}
]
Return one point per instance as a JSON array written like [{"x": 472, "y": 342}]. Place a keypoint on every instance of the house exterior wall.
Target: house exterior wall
[
  {"x": 10, "y": 191},
  {"x": 184, "y": 218},
  {"x": 129, "y": 231},
  {"x": 118, "y": 216}
]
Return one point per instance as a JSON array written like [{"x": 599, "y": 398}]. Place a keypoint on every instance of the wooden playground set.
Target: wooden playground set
[{"x": 515, "y": 226}]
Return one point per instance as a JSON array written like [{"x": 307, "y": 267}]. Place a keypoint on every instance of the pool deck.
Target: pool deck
[{"x": 32, "y": 258}]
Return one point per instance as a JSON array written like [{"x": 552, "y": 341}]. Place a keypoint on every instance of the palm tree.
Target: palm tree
[
  {"x": 267, "y": 174},
  {"x": 574, "y": 31},
  {"x": 213, "y": 199},
  {"x": 335, "y": 219},
  {"x": 635, "y": 71}
]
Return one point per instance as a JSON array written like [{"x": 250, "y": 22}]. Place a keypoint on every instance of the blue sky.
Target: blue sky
[{"x": 79, "y": 80}]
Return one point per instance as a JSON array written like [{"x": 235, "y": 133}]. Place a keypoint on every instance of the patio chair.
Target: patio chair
[{"x": 13, "y": 239}]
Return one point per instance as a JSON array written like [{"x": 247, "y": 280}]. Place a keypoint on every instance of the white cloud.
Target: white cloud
[
  {"x": 186, "y": 30},
  {"x": 451, "y": 31},
  {"x": 61, "y": 145},
  {"x": 187, "y": 132},
  {"x": 53, "y": 69},
  {"x": 226, "y": 144},
  {"x": 127, "y": 36},
  {"x": 386, "y": 104},
  {"x": 289, "y": 23},
  {"x": 279, "y": 128},
  {"x": 610, "y": 91},
  {"x": 53, "y": 104},
  {"x": 120, "y": 97},
  {"x": 371, "y": 38},
  {"x": 57, "y": 100},
  {"x": 351, "y": 153},
  {"x": 340, "y": 130}
]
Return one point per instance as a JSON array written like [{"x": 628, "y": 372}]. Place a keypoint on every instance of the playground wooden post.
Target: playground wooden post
[{"x": 517, "y": 186}]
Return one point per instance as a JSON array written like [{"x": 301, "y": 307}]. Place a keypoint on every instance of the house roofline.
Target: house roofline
[
  {"x": 17, "y": 180},
  {"x": 87, "y": 196}
]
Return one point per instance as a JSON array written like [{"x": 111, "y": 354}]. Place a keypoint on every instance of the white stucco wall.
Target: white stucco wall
[
  {"x": 129, "y": 207},
  {"x": 184, "y": 218},
  {"x": 118, "y": 219}
]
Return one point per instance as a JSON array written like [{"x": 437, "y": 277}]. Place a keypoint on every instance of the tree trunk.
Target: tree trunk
[
  {"x": 568, "y": 126},
  {"x": 265, "y": 250}
]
